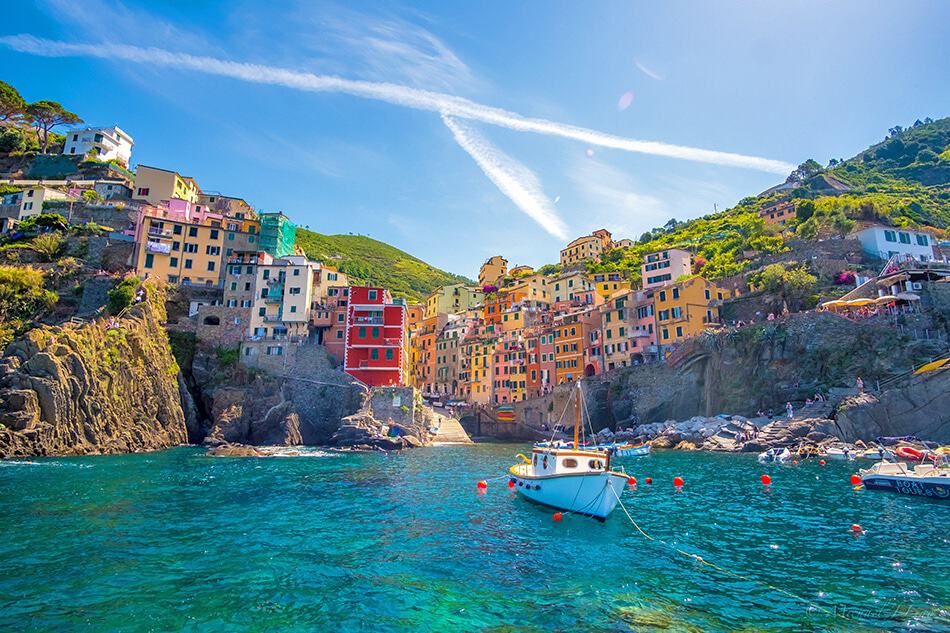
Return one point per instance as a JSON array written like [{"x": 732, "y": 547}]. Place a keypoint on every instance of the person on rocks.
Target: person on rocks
[
  {"x": 789, "y": 410},
  {"x": 859, "y": 384},
  {"x": 771, "y": 413}
]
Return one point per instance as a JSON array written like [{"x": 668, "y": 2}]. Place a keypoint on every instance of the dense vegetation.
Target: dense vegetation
[
  {"x": 366, "y": 260},
  {"x": 902, "y": 181},
  {"x": 22, "y": 297}
]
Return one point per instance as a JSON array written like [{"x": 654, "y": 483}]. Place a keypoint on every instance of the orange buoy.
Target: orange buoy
[
  {"x": 822, "y": 462},
  {"x": 856, "y": 528},
  {"x": 511, "y": 483},
  {"x": 766, "y": 480},
  {"x": 649, "y": 480},
  {"x": 482, "y": 486},
  {"x": 794, "y": 462},
  {"x": 557, "y": 516},
  {"x": 855, "y": 480},
  {"x": 631, "y": 481},
  {"x": 678, "y": 482}
]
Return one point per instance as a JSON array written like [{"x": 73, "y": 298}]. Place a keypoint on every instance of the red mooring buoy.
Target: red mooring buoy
[
  {"x": 557, "y": 516},
  {"x": 766, "y": 480},
  {"x": 482, "y": 486},
  {"x": 822, "y": 462},
  {"x": 649, "y": 480},
  {"x": 631, "y": 481},
  {"x": 856, "y": 529},
  {"x": 678, "y": 482},
  {"x": 856, "y": 480},
  {"x": 511, "y": 483}
]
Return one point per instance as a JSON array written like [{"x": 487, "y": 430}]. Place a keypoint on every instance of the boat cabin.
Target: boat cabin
[{"x": 559, "y": 461}]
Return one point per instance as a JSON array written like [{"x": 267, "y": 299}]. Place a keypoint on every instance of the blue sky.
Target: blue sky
[{"x": 506, "y": 170}]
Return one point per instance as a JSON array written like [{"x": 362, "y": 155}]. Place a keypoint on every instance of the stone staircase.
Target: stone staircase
[{"x": 451, "y": 432}]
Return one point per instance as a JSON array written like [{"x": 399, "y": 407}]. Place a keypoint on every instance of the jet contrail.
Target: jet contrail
[
  {"x": 511, "y": 177},
  {"x": 441, "y": 103}
]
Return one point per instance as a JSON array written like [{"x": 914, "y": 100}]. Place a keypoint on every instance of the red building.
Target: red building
[{"x": 376, "y": 338}]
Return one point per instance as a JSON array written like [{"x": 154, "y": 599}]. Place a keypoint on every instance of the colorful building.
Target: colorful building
[
  {"x": 779, "y": 214},
  {"x": 608, "y": 284},
  {"x": 664, "y": 267},
  {"x": 586, "y": 247},
  {"x": 685, "y": 308},
  {"x": 628, "y": 329},
  {"x": 572, "y": 335},
  {"x": 377, "y": 346},
  {"x": 105, "y": 143},
  {"x": 180, "y": 252},
  {"x": 493, "y": 271},
  {"x": 533, "y": 286},
  {"x": 453, "y": 299},
  {"x": 155, "y": 185},
  {"x": 20, "y": 205}
]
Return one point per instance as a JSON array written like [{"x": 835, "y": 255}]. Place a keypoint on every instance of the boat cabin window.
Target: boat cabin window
[
  {"x": 595, "y": 464},
  {"x": 569, "y": 463},
  {"x": 535, "y": 459}
]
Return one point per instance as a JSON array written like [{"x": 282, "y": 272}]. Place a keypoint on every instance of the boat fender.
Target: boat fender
[{"x": 525, "y": 459}]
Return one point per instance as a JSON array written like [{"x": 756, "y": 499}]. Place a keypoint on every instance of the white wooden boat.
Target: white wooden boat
[{"x": 573, "y": 479}]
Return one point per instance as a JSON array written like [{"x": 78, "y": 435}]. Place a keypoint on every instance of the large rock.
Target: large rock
[
  {"x": 86, "y": 389},
  {"x": 919, "y": 406}
]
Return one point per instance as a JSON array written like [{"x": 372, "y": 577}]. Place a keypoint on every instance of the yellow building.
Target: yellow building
[
  {"x": 153, "y": 185},
  {"x": 534, "y": 287},
  {"x": 492, "y": 271},
  {"x": 454, "y": 299},
  {"x": 180, "y": 252},
  {"x": 608, "y": 284},
  {"x": 570, "y": 287},
  {"x": 586, "y": 247},
  {"x": 685, "y": 308}
]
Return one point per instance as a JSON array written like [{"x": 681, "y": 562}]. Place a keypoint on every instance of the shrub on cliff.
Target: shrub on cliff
[
  {"x": 48, "y": 245},
  {"x": 23, "y": 298},
  {"x": 121, "y": 296}
]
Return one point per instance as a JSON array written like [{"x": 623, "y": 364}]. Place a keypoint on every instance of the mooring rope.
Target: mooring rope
[{"x": 698, "y": 558}]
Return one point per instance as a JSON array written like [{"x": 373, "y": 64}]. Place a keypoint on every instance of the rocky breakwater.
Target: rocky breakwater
[
  {"x": 731, "y": 433},
  {"x": 94, "y": 387},
  {"x": 390, "y": 419}
]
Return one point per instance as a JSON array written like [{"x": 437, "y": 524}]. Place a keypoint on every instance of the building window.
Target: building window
[
  {"x": 676, "y": 293},
  {"x": 374, "y": 354},
  {"x": 890, "y": 236},
  {"x": 192, "y": 231},
  {"x": 187, "y": 263},
  {"x": 389, "y": 354},
  {"x": 296, "y": 272},
  {"x": 214, "y": 234},
  {"x": 922, "y": 240},
  {"x": 340, "y": 317},
  {"x": 362, "y": 332},
  {"x": 295, "y": 291},
  {"x": 143, "y": 191},
  {"x": 173, "y": 262},
  {"x": 376, "y": 333},
  {"x": 176, "y": 229},
  {"x": 372, "y": 295},
  {"x": 261, "y": 311},
  {"x": 149, "y": 260},
  {"x": 679, "y": 331},
  {"x": 293, "y": 308},
  {"x": 339, "y": 333},
  {"x": 904, "y": 238}
]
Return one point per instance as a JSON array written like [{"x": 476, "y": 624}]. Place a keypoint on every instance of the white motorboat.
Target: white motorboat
[
  {"x": 922, "y": 480},
  {"x": 573, "y": 479},
  {"x": 775, "y": 456},
  {"x": 840, "y": 453}
]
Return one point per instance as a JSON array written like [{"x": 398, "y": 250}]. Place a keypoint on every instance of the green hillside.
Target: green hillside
[
  {"x": 367, "y": 260},
  {"x": 902, "y": 181}
]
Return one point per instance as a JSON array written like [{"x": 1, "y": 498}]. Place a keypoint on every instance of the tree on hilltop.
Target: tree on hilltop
[
  {"x": 12, "y": 105},
  {"x": 45, "y": 115},
  {"x": 806, "y": 170}
]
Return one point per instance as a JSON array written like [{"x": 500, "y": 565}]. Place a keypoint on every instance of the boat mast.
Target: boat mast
[{"x": 577, "y": 415}]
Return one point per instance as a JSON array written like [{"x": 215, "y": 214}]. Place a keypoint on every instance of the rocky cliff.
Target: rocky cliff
[{"x": 92, "y": 388}]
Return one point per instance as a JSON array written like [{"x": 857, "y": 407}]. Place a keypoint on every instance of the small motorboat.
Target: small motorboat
[
  {"x": 625, "y": 449},
  {"x": 880, "y": 453},
  {"x": 923, "y": 480},
  {"x": 844, "y": 453},
  {"x": 775, "y": 456},
  {"x": 575, "y": 479}
]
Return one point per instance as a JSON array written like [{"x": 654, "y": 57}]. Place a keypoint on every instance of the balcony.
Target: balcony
[
  {"x": 274, "y": 299},
  {"x": 157, "y": 232},
  {"x": 638, "y": 333},
  {"x": 273, "y": 318},
  {"x": 368, "y": 320}
]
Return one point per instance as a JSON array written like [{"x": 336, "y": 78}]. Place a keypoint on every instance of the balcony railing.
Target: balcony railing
[{"x": 369, "y": 320}]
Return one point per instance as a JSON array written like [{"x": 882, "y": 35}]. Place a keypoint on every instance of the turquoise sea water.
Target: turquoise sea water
[{"x": 367, "y": 542}]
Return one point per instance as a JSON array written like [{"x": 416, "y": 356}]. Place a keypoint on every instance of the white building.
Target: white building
[
  {"x": 30, "y": 201},
  {"x": 106, "y": 142},
  {"x": 885, "y": 242}
]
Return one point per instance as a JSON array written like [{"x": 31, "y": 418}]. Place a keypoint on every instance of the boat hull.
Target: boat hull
[
  {"x": 930, "y": 487},
  {"x": 590, "y": 494}
]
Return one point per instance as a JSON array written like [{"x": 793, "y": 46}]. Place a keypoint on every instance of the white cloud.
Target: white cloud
[
  {"x": 457, "y": 107},
  {"x": 511, "y": 177},
  {"x": 610, "y": 199}
]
